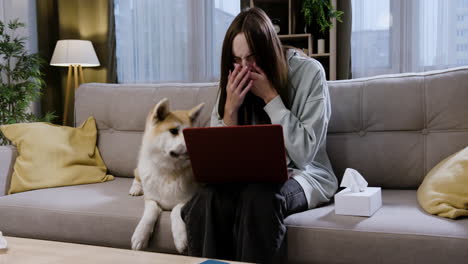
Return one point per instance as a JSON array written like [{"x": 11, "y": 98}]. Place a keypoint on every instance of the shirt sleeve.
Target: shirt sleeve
[
  {"x": 304, "y": 133},
  {"x": 216, "y": 120}
]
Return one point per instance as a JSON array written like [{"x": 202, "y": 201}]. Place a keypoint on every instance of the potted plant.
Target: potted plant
[
  {"x": 20, "y": 78},
  {"x": 321, "y": 12}
]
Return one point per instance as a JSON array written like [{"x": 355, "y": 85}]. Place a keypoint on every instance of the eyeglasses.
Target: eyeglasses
[{"x": 249, "y": 58}]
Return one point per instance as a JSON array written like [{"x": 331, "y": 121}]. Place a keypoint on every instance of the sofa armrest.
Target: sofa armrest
[{"x": 8, "y": 156}]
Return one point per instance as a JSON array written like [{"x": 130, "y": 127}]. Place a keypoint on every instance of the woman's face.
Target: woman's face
[{"x": 241, "y": 51}]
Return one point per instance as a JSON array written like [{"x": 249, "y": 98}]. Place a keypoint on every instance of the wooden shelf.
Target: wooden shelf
[
  {"x": 293, "y": 36},
  {"x": 292, "y": 24},
  {"x": 319, "y": 55},
  {"x": 301, "y": 41}
]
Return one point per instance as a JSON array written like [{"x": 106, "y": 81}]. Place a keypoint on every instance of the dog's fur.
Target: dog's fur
[{"x": 164, "y": 175}]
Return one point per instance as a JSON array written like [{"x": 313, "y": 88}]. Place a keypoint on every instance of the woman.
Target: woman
[{"x": 262, "y": 82}]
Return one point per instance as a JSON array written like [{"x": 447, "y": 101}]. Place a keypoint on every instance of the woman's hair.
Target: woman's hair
[{"x": 267, "y": 49}]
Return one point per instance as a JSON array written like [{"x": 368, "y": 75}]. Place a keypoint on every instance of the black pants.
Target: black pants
[{"x": 243, "y": 222}]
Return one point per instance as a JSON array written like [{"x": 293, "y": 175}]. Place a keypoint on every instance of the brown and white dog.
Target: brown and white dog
[{"x": 164, "y": 174}]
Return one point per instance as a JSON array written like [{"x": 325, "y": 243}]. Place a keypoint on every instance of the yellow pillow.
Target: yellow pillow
[
  {"x": 52, "y": 156},
  {"x": 444, "y": 191}
]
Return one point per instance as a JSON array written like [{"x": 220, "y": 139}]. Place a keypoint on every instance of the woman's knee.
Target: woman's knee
[
  {"x": 198, "y": 202},
  {"x": 215, "y": 198},
  {"x": 209, "y": 192},
  {"x": 261, "y": 197},
  {"x": 206, "y": 192},
  {"x": 294, "y": 196}
]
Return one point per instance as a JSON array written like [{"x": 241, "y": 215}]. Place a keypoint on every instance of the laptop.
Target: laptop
[{"x": 237, "y": 154}]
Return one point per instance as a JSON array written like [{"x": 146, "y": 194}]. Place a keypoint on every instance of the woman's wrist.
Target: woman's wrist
[
  {"x": 270, "y": 96},
  {"x": 230, "y": 117}
]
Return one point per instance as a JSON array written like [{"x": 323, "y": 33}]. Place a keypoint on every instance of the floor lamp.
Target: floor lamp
[{"x": 73, "y": 54}]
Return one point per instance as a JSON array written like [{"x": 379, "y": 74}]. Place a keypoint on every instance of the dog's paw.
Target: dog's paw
[
  {"x": 141, "y": 237},
  {"x": 136, "y": 189},
  {"x": 179, "y": 231}
]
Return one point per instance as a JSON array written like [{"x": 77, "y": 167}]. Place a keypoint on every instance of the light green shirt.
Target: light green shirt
[{"x": 304, "y": 127}]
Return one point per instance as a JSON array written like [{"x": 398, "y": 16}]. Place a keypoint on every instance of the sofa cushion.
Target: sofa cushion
[
  {"x": 400, "y": 226},
  {"x": 121, "y": 110},
  {"x": 395, "y": 128},
  {"x": 100, "y": 214},
  {"x": 444, "y": 191},
  {"x": 51, "y": 155}
]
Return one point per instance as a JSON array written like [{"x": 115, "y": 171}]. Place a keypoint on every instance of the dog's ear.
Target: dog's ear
[
  {"x": 194, "y": 113},
  {"x": 161, "y": 110}
]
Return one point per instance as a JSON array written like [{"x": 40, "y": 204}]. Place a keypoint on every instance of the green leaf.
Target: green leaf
[
  {"x": 21, "y": 79},
  {"x": 320, "y": 12}
]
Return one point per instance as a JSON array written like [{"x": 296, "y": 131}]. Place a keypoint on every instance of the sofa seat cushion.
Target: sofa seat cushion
[
  {"x": 100, "y": 214},
  {"x": 401, "y": 226}
]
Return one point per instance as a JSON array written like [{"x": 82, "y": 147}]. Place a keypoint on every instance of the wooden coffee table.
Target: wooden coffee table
[{"x": 24, "y": 250}]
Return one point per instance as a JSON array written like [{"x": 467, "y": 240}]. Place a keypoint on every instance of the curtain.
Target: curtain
[
  {"x": 171, "y": 40},
  {"x": 394, "y": 36},
  {"x": 74, "y": 19},
  {"x": 343, "y": 39},
  {"x": 110, "y": 45}
]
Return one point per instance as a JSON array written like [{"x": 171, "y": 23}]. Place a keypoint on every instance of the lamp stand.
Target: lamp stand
[{"x": 77, "y": 73}]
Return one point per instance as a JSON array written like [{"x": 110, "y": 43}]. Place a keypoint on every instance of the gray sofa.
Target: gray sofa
[{"x": 393, "y": 129}]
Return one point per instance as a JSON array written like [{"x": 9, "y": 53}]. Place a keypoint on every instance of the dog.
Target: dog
[{"x": 164, "y": 173}]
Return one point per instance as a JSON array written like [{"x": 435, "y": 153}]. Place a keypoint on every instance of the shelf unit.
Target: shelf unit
[{"x": 288, "y": 12}]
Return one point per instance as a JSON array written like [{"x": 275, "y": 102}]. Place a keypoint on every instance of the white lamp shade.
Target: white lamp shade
[{"x": 74, "y": 52}]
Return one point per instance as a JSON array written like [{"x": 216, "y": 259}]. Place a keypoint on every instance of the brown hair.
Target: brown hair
[{"x": 269, "y": 54}]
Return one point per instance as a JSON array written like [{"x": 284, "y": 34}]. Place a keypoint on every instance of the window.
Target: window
[
  {"x": 171, "y": 40},
  {"x": 371, "y": 36},
  {"x": 392, "y": 36}
]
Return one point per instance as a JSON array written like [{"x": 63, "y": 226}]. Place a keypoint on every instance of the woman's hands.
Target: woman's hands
[
  {"x": 262, "y": 87},
  {"x": 240, "y": 81},
  {"x": 239, "y": 84}
]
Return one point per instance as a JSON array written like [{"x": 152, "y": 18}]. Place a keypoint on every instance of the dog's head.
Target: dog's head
[{"x": 163, "y": 132}]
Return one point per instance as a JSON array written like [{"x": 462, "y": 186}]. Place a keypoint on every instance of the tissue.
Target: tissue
[
  {"x": 357, "y": 199},
  {"x": 353, "y": 180},
  {"x": 3, "y": 243}
]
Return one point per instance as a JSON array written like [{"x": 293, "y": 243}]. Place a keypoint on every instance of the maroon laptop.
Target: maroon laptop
[{"x": 236, "y": 154}]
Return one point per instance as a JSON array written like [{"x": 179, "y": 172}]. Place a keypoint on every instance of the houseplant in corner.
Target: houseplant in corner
[
  {"x": 321, "y": 12},
  {"x": 20, "y": 78}
]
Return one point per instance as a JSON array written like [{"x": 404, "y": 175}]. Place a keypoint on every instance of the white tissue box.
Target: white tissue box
[{"x": 364, "y": 203}]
